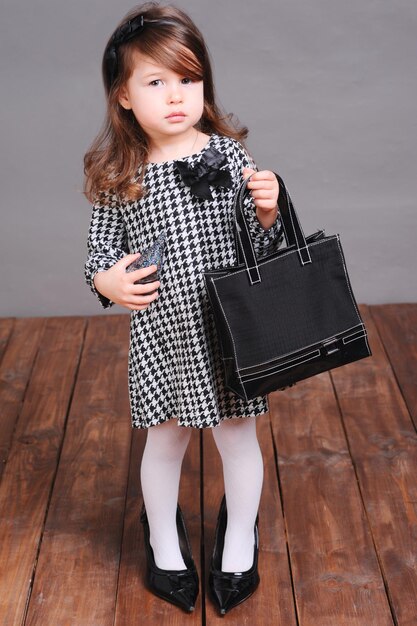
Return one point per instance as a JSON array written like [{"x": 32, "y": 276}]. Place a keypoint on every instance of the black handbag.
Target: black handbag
[{"x": 288, "y": 315}]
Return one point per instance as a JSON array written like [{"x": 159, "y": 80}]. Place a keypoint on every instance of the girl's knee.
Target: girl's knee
[
  {"x": 232, "y": 435},
  {"x": 168, "y": 439}
]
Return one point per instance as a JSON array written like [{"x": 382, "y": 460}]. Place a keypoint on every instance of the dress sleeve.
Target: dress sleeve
[
  {"x": 107, "y": 242},
  {"x": 267, "y": 240}
]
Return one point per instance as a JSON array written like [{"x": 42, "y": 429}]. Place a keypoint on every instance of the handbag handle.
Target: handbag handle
[{"x": 293, "y": 231}]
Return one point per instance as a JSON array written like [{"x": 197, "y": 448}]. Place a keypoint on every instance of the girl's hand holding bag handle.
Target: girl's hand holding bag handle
[{"x": 287, "y": 316}]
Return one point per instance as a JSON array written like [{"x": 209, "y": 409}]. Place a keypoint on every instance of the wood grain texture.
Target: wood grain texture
[
  {"x": 276, "y": 593},
  {"x": 272, "y": 603},
  {"x": 383, "y": 445},
  {"x": 397, "y": 327},
  {"x": 77, "y": 570},
  {"x": 22, "y": 338},
  {"x": 71, "y": 545},
  {"x": 337, "y": 579},
  {"x": 130, "y": 585},
  {"x": 135, "y": 603},
  {"x": 30, "y": 470},
  {"x": 6, "y": 329}
]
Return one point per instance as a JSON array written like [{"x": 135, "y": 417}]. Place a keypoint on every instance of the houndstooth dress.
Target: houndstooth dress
[{"x": 175, "y": 368}]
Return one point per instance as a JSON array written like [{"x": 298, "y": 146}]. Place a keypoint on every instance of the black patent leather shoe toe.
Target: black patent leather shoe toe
[
  {"x": 228, "y": 589},
  {"x": 180, "y": 587}
]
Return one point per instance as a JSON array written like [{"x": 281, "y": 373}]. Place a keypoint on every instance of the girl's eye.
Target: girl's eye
[{"x": 184, "y": 81}]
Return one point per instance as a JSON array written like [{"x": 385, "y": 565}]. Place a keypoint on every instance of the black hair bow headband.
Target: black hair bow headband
[
  {"x": 205, "y": 173},
  {"x": 127, "y": 31}
]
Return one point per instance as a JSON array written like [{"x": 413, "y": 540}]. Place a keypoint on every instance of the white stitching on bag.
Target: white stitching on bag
[
  {"x": 316, "y": 354},
  {"x": 292, "y": 351},
  {"x": 295, "y": 232},
  {"x": 346, "y": 274},
  {"x": 289, "y": 362},
  {"x": 362, "y": 336},
  {"x": 234, "y": 345},
  {"x": 281, "y": 256},
  {"x": 237, "y": 197}
]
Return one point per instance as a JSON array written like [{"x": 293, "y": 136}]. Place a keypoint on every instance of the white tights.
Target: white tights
[
  {"x": 242, "y": 462},
  {"x": 243, "y": 474},
  {"x": 160, "y": 477}
]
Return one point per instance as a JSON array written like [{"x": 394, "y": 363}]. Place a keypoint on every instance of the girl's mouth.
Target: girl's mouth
[{"x": 176, "y": 116}]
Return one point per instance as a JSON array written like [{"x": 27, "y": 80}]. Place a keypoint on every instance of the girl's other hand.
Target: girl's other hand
[
  {"x": 118, "y": 285},
  {"x": 265, "y": 190}
]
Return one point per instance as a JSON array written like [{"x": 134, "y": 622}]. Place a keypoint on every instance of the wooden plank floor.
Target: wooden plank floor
[{"x": 338, "y": 514}]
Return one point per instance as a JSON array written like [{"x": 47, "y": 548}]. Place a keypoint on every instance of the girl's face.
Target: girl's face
[{"x": 163, "y": 102}]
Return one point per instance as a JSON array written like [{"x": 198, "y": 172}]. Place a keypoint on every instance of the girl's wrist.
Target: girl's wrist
[{"x": 267, "y": 218}]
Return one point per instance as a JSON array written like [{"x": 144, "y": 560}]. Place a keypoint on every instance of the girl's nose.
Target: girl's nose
[{"x": 175, "y": 94}]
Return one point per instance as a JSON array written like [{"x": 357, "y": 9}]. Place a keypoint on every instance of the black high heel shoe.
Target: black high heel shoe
[
  {"x": 229, "y": 589},
  {"x": 180, "y": 587}
]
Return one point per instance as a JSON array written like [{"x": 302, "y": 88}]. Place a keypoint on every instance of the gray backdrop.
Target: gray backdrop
[{"x": 327, "y": 87}]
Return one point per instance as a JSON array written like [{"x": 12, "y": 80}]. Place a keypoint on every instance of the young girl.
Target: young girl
[{"x": 168, "y": 160}]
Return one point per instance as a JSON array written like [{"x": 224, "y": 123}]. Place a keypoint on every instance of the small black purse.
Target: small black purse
[
  {"x": 288, "y": 315},
  {"x": 153, "y": 255}
]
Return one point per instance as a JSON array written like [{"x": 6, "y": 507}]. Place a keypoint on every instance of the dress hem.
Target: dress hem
[{"x": 200, "y": 427}]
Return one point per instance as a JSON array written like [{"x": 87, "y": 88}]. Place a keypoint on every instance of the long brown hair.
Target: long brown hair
[{"x": 121, "y": 147}]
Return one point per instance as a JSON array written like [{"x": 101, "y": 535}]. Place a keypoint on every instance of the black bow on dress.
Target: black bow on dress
[{"x": 204, "y": 173}]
